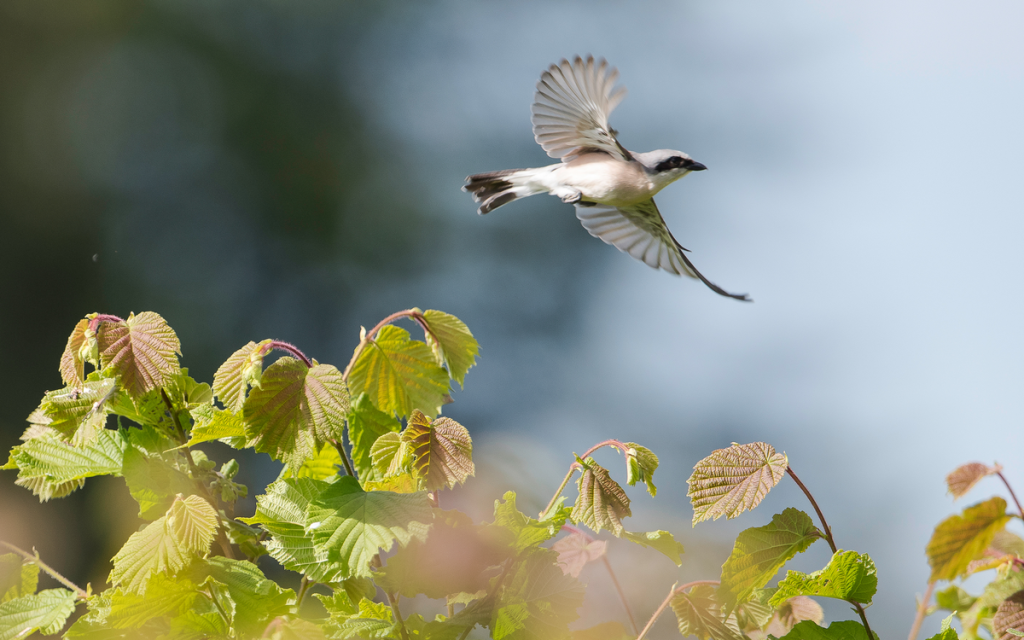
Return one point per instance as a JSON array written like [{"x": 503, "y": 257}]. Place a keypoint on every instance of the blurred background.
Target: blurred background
[{"x": 257, "y": 170}]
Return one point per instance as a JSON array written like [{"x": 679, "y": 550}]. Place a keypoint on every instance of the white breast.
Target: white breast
[{"x": 607, "y": 180}]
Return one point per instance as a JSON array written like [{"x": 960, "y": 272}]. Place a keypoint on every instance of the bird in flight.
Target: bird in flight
[{"x": 611, "y": 187}]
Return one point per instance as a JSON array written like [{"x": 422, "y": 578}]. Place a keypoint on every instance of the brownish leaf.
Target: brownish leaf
[
  {"x": 72, "y": 367},
  {"x": 576, "y": 550},
  {"x": 964, "y": 477},
  {"x": 442, "y": 450},
  {"x": 1010, "y": 615},
  {"x": 731, "y": 481},
  {"x": 602, "y": 502},
  {"x": 141, "y": 349}
]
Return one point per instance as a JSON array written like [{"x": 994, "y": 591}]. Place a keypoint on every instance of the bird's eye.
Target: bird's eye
[{"x": 672, "y": 163}]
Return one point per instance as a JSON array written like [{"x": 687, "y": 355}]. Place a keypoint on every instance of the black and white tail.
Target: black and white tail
[{"x": 496, "y": 188}]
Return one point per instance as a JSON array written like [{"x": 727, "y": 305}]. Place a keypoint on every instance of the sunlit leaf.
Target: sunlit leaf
[
  {"x": 141, "y": 350},
  {"x": 1005, "y": 542},
  {"x": 759, "y": 552},
  {"x": 18, "y": 576},
  {"x": 217, "y": 424},
  {"x": 390, "y": 456},
  {"x": 659, "y": 541},
  {"x": 402, "y": 483},
  {"x": 521, "y": 531},
  {"x": 731, "y": 481},
  {"x": 399, "y": 374},
  {"x": 242, "y": 369},
  {"x": 72, "y": 366},
  {"x": 986, "y": 605},
  {"x": 442, "y": 450},
  {"x": 164, "y": 596},
  {"x": 257, "y": 599},
  {"x": 842, "y": 630},
  {"x": 577, "y": 550},
  {"x": 963, "y": 478},
  {"x": 700, "y": 614},
  {"x": 954, "y": 598},
  {"x": 538, "y": 601},
  {"x": 847, "y": 576},
  {"x": 452, "y": 343},
  {"x": 788, "y": 615},
  {"x": 321, "y": 466},
  {"x": 354, "y": 525},
  {"x": 53, "y": 468},
  {"x": 602, "y": 503},
  {"x": 84, "y": 407},
  {"x": 366, "y": 423},
  {"x": 961, "y": 538},
  {"x": 293, "y": 629},
  {"x": 947, "y": 632},
  {"x": 46, "y": 611},
  {"x": 640, "y": 466}
]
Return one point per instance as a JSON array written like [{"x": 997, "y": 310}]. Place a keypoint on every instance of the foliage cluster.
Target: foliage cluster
[{"x": 356, "y": 513}]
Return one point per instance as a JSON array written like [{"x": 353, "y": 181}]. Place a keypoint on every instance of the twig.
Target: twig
[
  {"x": 622, "y": 594},
  {"x": 575, "y": 465},
  {"x": 393, "y": 601},
  {"x": 344, "y": 458},
  {"x": 922, "y": 609},
  {"x": 668, "y": 599},
  {"x": 831, "y": 543},
  {"x": 1012, "y": 494},
  {"x": 80, "y": 592}
]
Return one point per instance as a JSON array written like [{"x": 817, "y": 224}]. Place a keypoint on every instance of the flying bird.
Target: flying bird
[{"x": 611, "y": 187}]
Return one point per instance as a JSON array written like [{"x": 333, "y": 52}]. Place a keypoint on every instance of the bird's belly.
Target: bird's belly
[{"x": 608, "y": 181}]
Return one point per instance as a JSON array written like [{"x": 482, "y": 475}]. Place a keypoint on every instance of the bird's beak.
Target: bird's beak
[{"x": 695, "y": 166}]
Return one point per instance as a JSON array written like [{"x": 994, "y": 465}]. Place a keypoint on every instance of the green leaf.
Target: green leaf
[
  {"x": 166, "y": 545},
  {"x": 659, "y": 541},
  {"x": 442, "y": 450},
  {"x": 521, "y": 531},
  {"x": 843, "y": 630},
  {"x": 640, "y": 466},
  {"x": 154, "y": 478},
  {"x": 257, "y": 599},
  {"x": 953, "y": 598},
  {"x": 538, "y": 601},
  {"x": 164, "y": 596},
  {"x": 295, "y": 410},
  {"x": 79, "y": 408},
  {"x": 217, "y": 424},
  {"x": 985, "y": 607},
  {"x": 962, "y": 538},
  {"x": 72, "y": 366},
  {"x": 399, "y": 374},
  {"x": 52, "y": 468},
  {"x": 353, "y": 525},
  {"x": 141, "y": 350},
  {"x": 1009, "y": 616},
  {"x": 731, "y": 481},
  {"x": 452, "y": 343},
  {"x": 603, "y": 631},
  {"x": 699, "y": 614},
  {"x": 576, "y": 550},
  {"x": 602, "y": 503},
  {"x": 402, "y": 483},
  {"x": 373, "y": 620},
  {"x": 366, "y": 424},
  {"x": 323, "y": 465},
  {"x": 1006, "y": 543},
  {"x": 963, "y": 478},
  {"x": 242, "y": 368},
  {"x": 46, "y": 611},
  {"x": 281, "y": 511},
  {"x": 947, "y": 632},
  {"x": 848, "y": 576},
  {"x": 391, "y": 456},
  {"x": 293, "y": 629},
  {"x": 18, "y": 576},
  {"x": 760, "y": 552}
]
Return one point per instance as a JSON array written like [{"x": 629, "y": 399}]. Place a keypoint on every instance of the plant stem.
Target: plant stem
[
  {"x": 622, "y": 594},
  {"x": 831, "y": 543},
  {"x": 344, "y": 458},
  {"x": 922, "y": 609},
  {"x": 393, "y": 601},
  {"x": 451, "y": 609},
  {"x": 575, "y": 465},
  {"x": 1012, "y": 494},
  {"x": 81, "y": 593},
  {"x": 290, "y": 348},
  {"x": 372, "y": 332},
  {"x": 668, "y": 600},
  {"x": 102, "y": 317}
]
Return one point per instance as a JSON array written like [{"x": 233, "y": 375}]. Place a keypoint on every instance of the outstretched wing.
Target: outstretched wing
[
  {"x": 641, "y": 232},
  {"x": 571, "y": 108}
]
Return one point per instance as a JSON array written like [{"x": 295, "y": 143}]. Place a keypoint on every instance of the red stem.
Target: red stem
[
  {"x": 94, "y": 323},
  {"x": 668, "y": 600},
  {"x": 290, "y": 348},
  {"x": 415, "y": 314},
  {"x": 1012, "y": 494}
]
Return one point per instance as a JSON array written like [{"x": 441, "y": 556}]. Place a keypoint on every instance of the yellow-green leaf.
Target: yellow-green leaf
[
  {"x": 399, "y": 374},
  {"x": 847, "y": 576},
  {"x": 699, "y": 614},
  {"x": 731, "y": 481},
  {"x": 242, "y": 369},
  {"x": 141, "y": 350},
  {"x": 442, "y": 450},
  {"x": 452, "y": 343},
  {"x": 602, "y": 503},
  {"x": 72, "y": 366},
  {"x": 46, "y": 611},
  {"x": 961, "y": 538}
]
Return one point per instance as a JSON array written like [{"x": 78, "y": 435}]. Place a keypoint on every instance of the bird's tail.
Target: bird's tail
[{"x": 501, "y": 187}]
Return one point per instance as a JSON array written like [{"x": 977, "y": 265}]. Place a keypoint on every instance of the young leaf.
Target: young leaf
[
  {"x": 640, "y": 465},
  {"x": 164, "y": 596},
  {"x": 1005, "y": 542},
  {"x": 353, "y": 525},
  {"x": 73, "y": 408},
  {"x": 165, "y": 545},
  {"x": 520, "y": 531},
  {"x": 961, "y": 538},
  {"x": 399, "y": 374},
  {"x": 602, "y": 503},
  {"x": 154, "y": 479},
  {"x": 372, "y": 620},
  {"x": 141, "y": 350},
  {"x": 947, "y": 632},
  {"x": 242, "y": 368},
  {"x": 847, "y": 576},
  {"x": 954, "y": 598},
  {"x": 789, "y": 614},
  {"x": 46, "y": 612},
  {"x": 1010, "y": 615},
  {"x": 366, "y": 424},
  {"x": 52, "y": 468},
  {"x": 760, "y": 552},
  {"x": 442, "y": 450},
  {"x": 659, "y": 541},
  {"x": 985, "y": 607},
  {"x": 18, "y": 577},
  {"x": 577, "y": 550},
  {"x": 217, "y": 424},
  {"x": 256, "y": 599},
  {"x": 72, "y": 366},
  {"x": 842, "y": 630},
  {"x": 325, "y": 464},
  {"x": 731, "y": 481},
  {"x": 699, "y": 614},
  {"x": 538, "y": 601},
  {"x": 402, "y": 483},
  {"x": 963, "y": 478},
  {"x": 452, "y": 343},
  {"x": 390, "y": 456}
]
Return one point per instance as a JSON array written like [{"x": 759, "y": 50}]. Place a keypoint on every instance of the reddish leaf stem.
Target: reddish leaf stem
[
  {"x": 615, "y": 580},
  {"x": 94, "y": 323},
  {"x": 415, "y": 314},
  {"x": 1012, "y": 494},
  {"x": 290, "y": 348},
  {"x": 831, "y": 543},
  {"x": 668, "y": 600},
  {"x": 81, "y": 593},
  {"x": 575, "y": 465},
  {"x": 922, "y": 610}
]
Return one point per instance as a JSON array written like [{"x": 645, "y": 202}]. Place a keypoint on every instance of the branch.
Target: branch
[
  {"x": 922, "y": 610},
  {"x": 81, "y": 593},
  {"x": 575, "y": 465},
  {"x": 668, "y": 599}
]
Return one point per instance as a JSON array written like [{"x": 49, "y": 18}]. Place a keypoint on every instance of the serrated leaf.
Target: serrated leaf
[
  {"x": 640, "y": 466},
  {"x": 166, "y": 545},
  {"x": 602, "y": 503},
  {"x": 577, "y": 550},
  {"x": 402, "y": 483},
  {"x": 211, "y": 424},
  {"x": 954, "y": 598},
  {"x": 399, "y": 374},
  {"x": 256, "y": 599},
  {"x": 46, "y": 612},
  {"x": 963, "y": 478},
  {"x": 321, "y": 466},
  {"x": 842, "y": 630},
  {"x": 452, "y": 342},
  {"x": 789, "y": 614},
  {"x": 18, "y": 576},
  {"x": 281, "y": 511},
  {"x": 242, "y": 368},
  {"x": 442, "y": 450},
  {"x": 366, "y": 423},
  {"x": 731, "y": 481},
  {"x": 141, "y": 350},
  {"x": 354, "y": 525},
  {"x": 72, "y": 366},
  {"x": 985, "y": 607},
  {"x": 476, "y": 612},
  {"x": 154, "y": 478},
  {"x": 1010, "y": 615},
  {"x": 53, "y": 468},
  {"x": 390, "y": 456},
  {"x": 538, "y": 601},
  {"x": 521, "y": 531},
  {"x": 700, "y": 614},
  {"x": 947, "y": 632},
  {"x": 1005, "y": 542},
  {"x": 847, "y": 576},
  {"x": 164, "y": 596},
  {"x": 961, "y": 538},
  {"x": 79, "y": 408},
  {"x": 662, "y": 541},
  {"x": 759, "y": 552}
]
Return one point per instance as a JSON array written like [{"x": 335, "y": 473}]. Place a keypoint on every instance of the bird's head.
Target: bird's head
[{"x": 666, "y": 166}]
